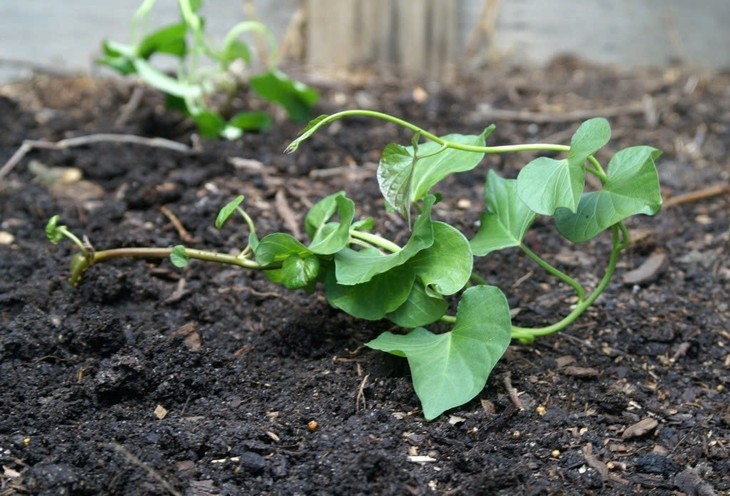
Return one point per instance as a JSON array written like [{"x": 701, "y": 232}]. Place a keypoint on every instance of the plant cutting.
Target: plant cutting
[
  {"x": 370, "y": 277},
  {"x": 204, "y": 83}
]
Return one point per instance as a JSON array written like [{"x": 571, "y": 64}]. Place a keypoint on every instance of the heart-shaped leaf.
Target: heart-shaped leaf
[
  {"x": 507, "y": 220},
  {"x": 296, "y": 98},
  {"x": 419, "y": 309},
  {"x": 632, "y": 188},
  {"x": 373, "y": 299},
  {"x": 357, "y": 267},
  {"x": 445, "y": 266},
  {"x": 450, "y": 369},
  {"x": 407, "y": 173},
  {"x": 330, "y": 237},
  {"x": 296, "y": 272},
  {"x": 546, "y": 184},
  {"x": 277, "y": 247}
]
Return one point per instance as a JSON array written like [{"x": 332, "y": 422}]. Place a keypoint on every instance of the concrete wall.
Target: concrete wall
[{"x": 633, "y": 33}]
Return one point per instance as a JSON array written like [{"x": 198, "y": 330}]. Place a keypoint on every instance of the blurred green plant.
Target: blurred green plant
[
  {"x": 372, "y": 278},
  {"x": 204, "y": 83}
]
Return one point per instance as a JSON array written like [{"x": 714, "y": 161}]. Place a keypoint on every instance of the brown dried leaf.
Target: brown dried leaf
[{"x": 643, "y": 426}]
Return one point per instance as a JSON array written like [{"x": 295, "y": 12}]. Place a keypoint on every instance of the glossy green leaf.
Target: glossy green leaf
[
  {"x": 430, "y": 170},
  {"x": 277, "y": 247},
  {"x": 296, "y": 272},
  {"x": 225, "y": 213},
  {"x": 295, "y": 97},
  {"x": 407, "y": 173},
  {"x": 632, "y": 188},
  {"x": 179, "y": 257},
  {"x": 373, "y": 299},
  {"x": 210, "y": 124},
  {"x": 590, "y": 137},
  {"x": 445, "y": 266},
  {"x": 169, "y": 40},
  {"x": 356, "y": 267},
  {"x": 332, "y": 237},
  {"x": 419, "y": 309},
  {"x": 158, "y": 79},
  {"x": 450, "y": 369},
  {"x": 365, "y": 224},
  {"x": 546, "y": 184},
  {"x": 250, "y": 121},
  {"x": 508, "y": 218},
  {"x": 395, "y": 176}
]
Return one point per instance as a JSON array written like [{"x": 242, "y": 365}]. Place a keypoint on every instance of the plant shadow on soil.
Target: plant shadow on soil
[{"x": 151, "y": 380}]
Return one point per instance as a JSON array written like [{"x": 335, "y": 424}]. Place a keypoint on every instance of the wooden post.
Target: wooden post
[{"x": 414, "y": 38}]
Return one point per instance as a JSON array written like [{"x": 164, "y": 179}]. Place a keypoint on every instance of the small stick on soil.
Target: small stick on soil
[
  {"x": 360, "y": 398},
  {"x": 181, "y": 231},
  {"x": 90, "y": 139},
  {"x": 574, "y": 116},
  {"x": 130, "y": 106},
  {"x": 152, "y": 472},
  {"x": 513, "y": 395},
  {"x": 594, "y": 462},
  {"x": 700, "y": 194}
]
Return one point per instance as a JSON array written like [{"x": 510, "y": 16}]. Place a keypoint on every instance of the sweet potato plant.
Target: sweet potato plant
[{"x": 370, "y": 277}]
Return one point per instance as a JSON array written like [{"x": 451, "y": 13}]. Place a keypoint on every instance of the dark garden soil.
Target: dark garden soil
[{"x": 147, "y": 379}]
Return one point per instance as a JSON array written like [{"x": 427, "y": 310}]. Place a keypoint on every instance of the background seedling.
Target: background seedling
[
  {"x": 371, "y": 277},
  {"x": 204, "y": 83}
]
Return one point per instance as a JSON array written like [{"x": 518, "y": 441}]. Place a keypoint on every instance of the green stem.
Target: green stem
[
  {"x": 375, "y": 240},
  {"x": 529, "y": 334},
  {"x": 208, "y": 256},
  {"x": 444, "y": 143},
  {"x": 555, "y": 272}
]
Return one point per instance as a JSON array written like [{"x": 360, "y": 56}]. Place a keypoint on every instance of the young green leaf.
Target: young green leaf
[
  {"x": 407, "y": 173},
  {"x": 118, "y": 57},
  {"x": 228, "y": 210},
  {"x": 419, "y": 309},
  {"x": 332, "y": 237},
  {"x": 169, "y": 40},
  {"x": 210, "y": 124},
  {"x": 179, "y": 257},
  {"x": 450, "y": 369},
  {"x": 507, "y": 220},
  {"x": 546, "y": 184},
  {"x": 373, "y": 299},
  {"x": 296, "y": 272},
  {"x": 446, "y": 265},
  {"x": 632, "y": 188},
  {"x": 356, "y": 267},
  {"x": 306, "y": 132},
  {"x": 434, "y": 168},
  {"x": 296, "y": 98},
  {"x": 52, "y": 232},
  {"x": 277, "y": 247},
  {"x": 250, "y": 121},
  {"x": 395, "y": 175}
]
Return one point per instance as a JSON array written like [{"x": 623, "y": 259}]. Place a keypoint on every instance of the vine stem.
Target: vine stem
[
  {"x": 444, "y": 143},
  {"x": 620, "y": 241},
  {"x": 208, "y": 256},
  {"x": 554, "y": 271}
]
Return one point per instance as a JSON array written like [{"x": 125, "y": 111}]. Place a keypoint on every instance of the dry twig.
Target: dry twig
[
  {"x": 29, "y": 145},
  {"x": 152, "y": 472},
  {"x": 513, "y": 395},
  {"x": 700, "y": 194},
  {"x": 181, "y": 231}
]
